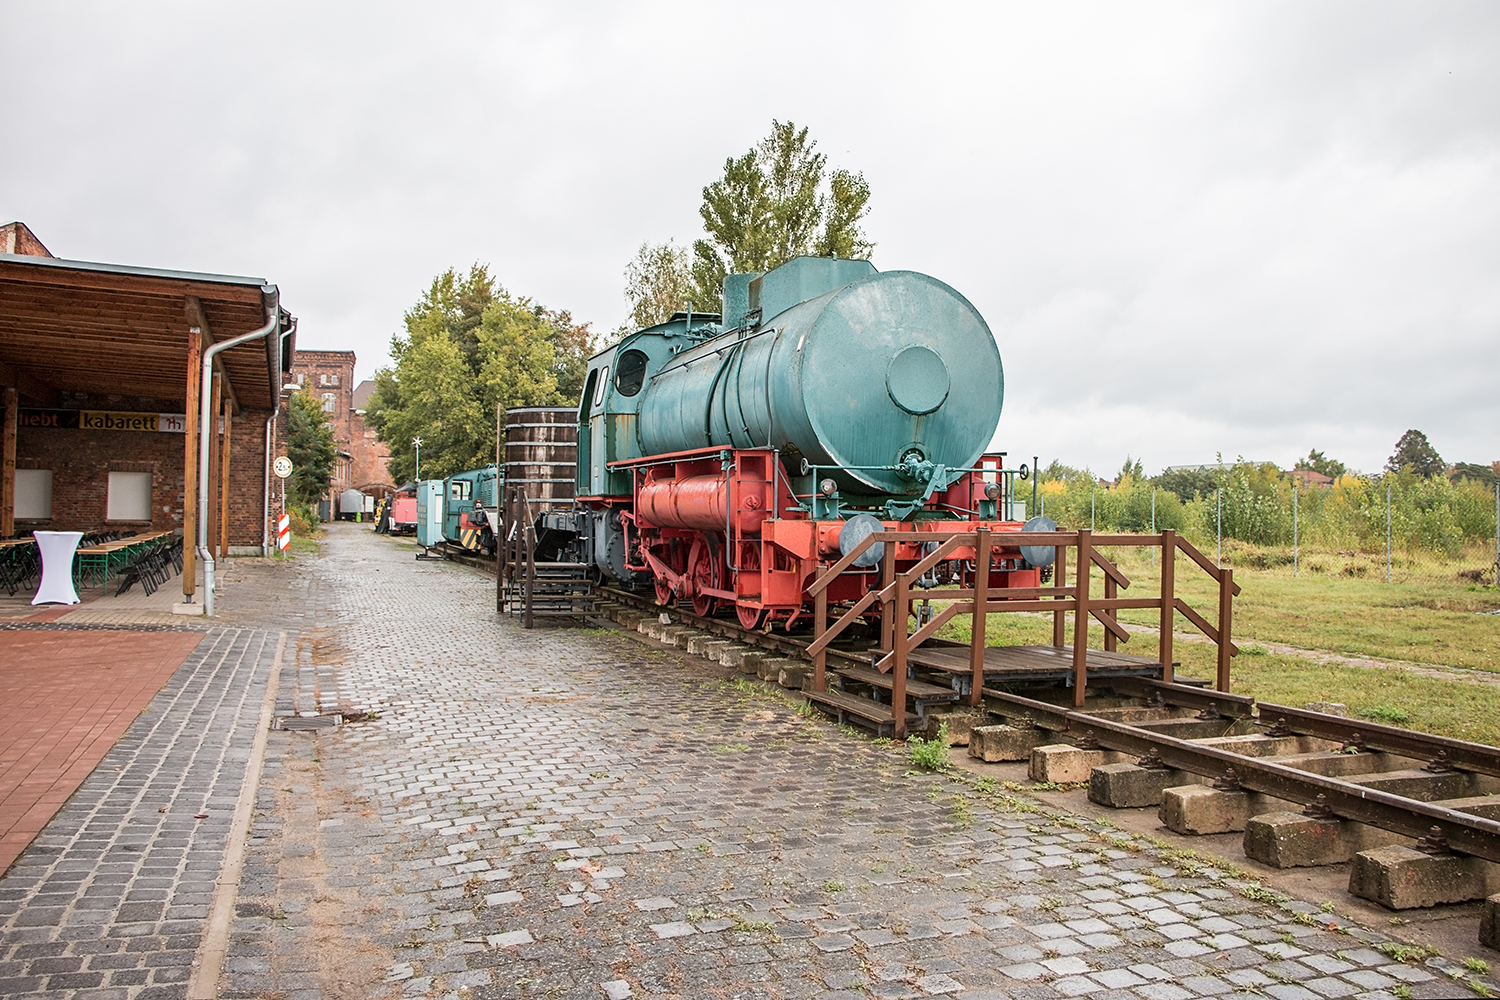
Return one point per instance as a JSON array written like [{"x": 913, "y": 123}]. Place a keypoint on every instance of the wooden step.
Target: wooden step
[
  {"x": 868, "y": 713},
  {"x": 919, "y": 691}
]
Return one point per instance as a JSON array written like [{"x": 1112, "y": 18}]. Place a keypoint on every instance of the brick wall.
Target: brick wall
[
  {"x": 16, "y": 238},
  {"x": 362, "y": 464},
  {"x": 368, "y": 471},
  {"x": 81, "y": 461}
]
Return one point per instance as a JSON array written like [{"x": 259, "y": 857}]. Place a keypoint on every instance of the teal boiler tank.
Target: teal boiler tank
[{"x": 877, "y": 374}]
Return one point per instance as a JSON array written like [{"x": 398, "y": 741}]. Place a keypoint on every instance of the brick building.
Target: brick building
[
  {"x": 329, "y": 377},
  {"x": 369, "y": 454},
  {"x": 101, "y": 371}
]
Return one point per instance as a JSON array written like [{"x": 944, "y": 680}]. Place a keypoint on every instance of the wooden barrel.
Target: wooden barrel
[{"x": 541, "y": 452}]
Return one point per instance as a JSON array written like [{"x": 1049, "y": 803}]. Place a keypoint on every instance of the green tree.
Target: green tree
[
  {"x": 1188, "y": 484},
  {"x": 309, "y": 445},
  {"x": 1415, "y": 453},
  {"x": 1135, "y": 470},
  {"x": 1489, "y": 474},
  {"x": 658, "y": 283},
  {"x": 777, "y": 201},
  {"x": 1320, "y": 463},
  {"x": 469, "y": 348}
]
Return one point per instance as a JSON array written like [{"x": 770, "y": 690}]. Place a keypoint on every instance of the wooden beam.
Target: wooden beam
[
  {"x": 190, "y": 467},
  {"x": 196, "y": 317},
  {"x": 28, "y": 384},
  {"x": 8, "y": 464}
]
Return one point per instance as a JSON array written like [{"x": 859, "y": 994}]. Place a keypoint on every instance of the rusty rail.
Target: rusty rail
[{"x": 982, "y": 599}]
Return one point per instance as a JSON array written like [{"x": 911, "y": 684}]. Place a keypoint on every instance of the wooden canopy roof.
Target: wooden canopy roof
[{"x": 108, "y": 329}]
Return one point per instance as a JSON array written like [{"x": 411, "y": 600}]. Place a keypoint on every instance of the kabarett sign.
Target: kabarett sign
[{"x": 104, "y": 420}]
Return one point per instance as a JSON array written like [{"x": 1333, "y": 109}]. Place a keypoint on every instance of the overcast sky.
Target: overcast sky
[{"x": 1194, "y": 228}]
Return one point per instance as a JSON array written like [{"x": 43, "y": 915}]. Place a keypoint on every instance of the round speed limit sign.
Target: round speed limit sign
[{"x": 283, "y": 467}]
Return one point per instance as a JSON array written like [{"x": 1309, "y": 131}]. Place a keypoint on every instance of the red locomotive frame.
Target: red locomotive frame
[{"x": 722, "y": 526}]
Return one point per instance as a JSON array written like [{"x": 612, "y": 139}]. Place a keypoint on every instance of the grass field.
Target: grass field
[{"x": 1436, "y": 624}]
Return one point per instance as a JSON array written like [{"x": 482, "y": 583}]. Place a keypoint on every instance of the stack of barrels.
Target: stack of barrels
[
  {"x": 541, "y": 470},
  {"x": 541, "y": 454}
]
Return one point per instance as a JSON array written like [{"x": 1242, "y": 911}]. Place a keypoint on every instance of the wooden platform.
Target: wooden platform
[
  {"x": 847, "y": 708},
  {"x": 919, "y": 693},
  {"x": 1032, "y": 663}
]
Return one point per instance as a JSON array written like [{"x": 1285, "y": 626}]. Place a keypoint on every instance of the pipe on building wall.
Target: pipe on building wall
[
  {"x": 265, "y": 518},
  {"x": 271, "y": 298}
]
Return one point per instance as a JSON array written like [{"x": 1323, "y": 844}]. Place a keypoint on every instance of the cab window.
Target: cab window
[{"x": 630, "y": 372}]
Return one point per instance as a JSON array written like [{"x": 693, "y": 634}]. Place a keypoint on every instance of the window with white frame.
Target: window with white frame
[
  {"x": 129, "y": 497},
  {"x": 328, "y": 402},
  {"x": 33, "y": 494}
]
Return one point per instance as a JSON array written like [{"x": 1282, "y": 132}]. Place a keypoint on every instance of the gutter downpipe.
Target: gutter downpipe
[
  {"x": 265, "y": 520},
  {"x": 271, "y": 298}
]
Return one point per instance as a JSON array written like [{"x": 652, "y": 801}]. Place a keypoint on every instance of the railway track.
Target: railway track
[{"x": 1416, "y": 815}]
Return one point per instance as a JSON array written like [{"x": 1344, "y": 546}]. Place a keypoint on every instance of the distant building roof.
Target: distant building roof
[
  {"x": 1311, "y": 478},
  {"x": 363, "y": 392}
]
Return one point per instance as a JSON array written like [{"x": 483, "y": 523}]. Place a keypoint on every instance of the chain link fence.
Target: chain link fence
[{"x": 1397, "y": 528}]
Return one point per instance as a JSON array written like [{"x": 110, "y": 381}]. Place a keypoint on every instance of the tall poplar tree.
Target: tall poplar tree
[{"x": 777, "y": 201}]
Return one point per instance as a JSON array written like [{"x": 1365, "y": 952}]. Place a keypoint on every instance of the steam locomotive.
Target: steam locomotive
[{"x": 725, "y": 460}]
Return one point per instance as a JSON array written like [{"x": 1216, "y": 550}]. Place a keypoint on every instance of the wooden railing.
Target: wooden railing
[{"x": 896, "y": 591}]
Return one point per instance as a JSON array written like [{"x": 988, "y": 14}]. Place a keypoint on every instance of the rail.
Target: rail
[
  {"x": 981, "y": 599},
  {"x": 1467, "y": 833}
]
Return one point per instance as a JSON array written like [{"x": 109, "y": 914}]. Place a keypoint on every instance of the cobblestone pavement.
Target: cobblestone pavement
[
  {"x": 575, "y": 812},
  {"x": 109, "y": 900},
  {"x": 581, "y": 813}
]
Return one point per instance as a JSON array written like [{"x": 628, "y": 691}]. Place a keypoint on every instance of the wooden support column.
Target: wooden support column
[
  {"x": 977, "y": 638},
  {"x": 1168, "y": 602},
  {"x": 1226, "y": 608},
  {"x": 215, "y": 407},
  {"x": 1081, "y": 616},
  {"x": 888, "y": 577},
  {"x": 902, "y": 644},
  {"x": 190, "y": 466},
  {"x": 1060, "y": 581},
  {"x": 8, "y": 464},
  {"x": 820, "y": 625},
  {"x": 224, "y": 483}
]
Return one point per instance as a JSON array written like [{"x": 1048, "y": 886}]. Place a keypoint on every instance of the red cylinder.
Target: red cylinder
[{"x": 697, "y": 502}]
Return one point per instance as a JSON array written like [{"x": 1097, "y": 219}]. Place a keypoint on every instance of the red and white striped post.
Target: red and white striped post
[{"x": 283, "y": 532}]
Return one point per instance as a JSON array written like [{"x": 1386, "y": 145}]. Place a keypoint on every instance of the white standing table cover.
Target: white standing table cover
[{"x": 57, "y": 548}]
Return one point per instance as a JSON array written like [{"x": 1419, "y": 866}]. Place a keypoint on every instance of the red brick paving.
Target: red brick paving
[{"x": 65, "y": 698}]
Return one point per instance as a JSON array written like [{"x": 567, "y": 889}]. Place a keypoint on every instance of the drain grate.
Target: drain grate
[{"x": 307, "y": 723}]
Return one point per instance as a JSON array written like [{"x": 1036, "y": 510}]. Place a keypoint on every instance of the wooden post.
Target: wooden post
[
  {"x": 820, "y": 625},
  {"x": 1111, "y": 589},
  {"x": 1059, "y": 580},
  {"x": 190, "y": 467},
  {"x": 500, "y": 508},
  {"x": 898, "y": 671},
  {"x": 1168, "y": 602},
  {"x": 888, "y": 608},
  {"x": 530, "y": 556},
  {"x": 1226, "y": 607},
  {"x": 215, "y": 407},
  {"x": 8, "y": 464},
  {"x": 1081, "y": 617},
  {"x": 977, "y": 638},
  {"x": 224, "y": 483}
]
